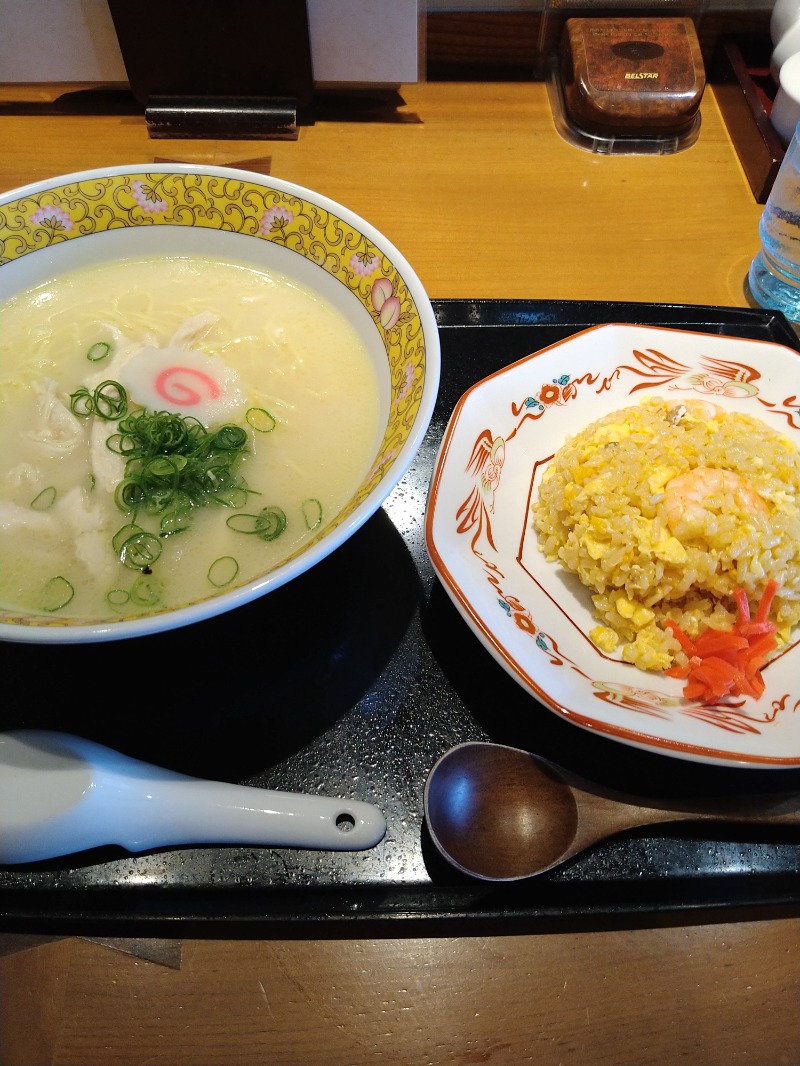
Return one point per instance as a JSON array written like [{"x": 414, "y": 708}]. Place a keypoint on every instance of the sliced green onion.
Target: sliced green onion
[
  {"x": 234, "y": 497},
  {"x": 243, "y": 523},
  {"x": 117, "y": 597},
  {"x": 110, "y": 400},
  {"x": 312, "y": 513},
  {"x": 123, "y": 534},
  {"x": 158, "y": 482},
  {"x": 230, "y": 438},
  {"x": 45, "y": 500},
  {"x": 222, "y": 571},
  {"x": 271, "y": 523},
  {"x": 175, "y": 522},
  {"x": 128, "y": 495},
  {"x": 174, "y": 464},
  {"x": 57, "y": 594},
  {"x": 117, "y": 443},
  {"x": 146, "y": 591},
  {"x": 267, "y": 524},
  {"x": 81, "y": 403},
  {"x": 98, "y": 351},
  {"x": 166, "y": 466},
  {"x": 140, "y": 551},
  {"x": 261, "y": 420}
]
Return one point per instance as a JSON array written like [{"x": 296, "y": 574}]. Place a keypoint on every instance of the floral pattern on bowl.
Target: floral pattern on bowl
[{"x": 532, "y": 616}]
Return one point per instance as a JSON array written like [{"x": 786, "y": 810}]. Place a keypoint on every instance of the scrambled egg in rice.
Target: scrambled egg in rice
[{"x": 663, "y": 510}]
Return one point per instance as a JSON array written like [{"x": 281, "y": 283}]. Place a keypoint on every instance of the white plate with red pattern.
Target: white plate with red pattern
[{"x": 532, "y": 616}]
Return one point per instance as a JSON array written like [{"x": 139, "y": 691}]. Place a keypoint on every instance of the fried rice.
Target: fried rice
[{"x": 663, "y": 510}]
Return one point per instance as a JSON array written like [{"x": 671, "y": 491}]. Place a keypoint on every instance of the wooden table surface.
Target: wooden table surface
[{"x": 474, "y": 185}]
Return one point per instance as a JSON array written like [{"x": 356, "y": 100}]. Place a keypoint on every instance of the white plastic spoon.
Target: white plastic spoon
[{"x": 61, "y": 794}]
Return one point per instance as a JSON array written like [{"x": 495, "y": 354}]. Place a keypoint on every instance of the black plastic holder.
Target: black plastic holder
[{"x": 219, "y": 69}]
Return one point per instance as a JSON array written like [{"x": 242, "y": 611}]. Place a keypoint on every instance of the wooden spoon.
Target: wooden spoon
[{"x": 502, "y": 814}]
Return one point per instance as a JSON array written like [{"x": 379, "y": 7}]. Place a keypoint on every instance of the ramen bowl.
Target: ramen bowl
[{"x": 94, "y": 224}]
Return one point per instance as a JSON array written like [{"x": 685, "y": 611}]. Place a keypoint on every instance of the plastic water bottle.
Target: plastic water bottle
[{"x": 775, "y": 272}]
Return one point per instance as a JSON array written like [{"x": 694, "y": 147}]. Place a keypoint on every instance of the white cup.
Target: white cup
[
  {"x": 785, "y": 113},
  {"x": 785, "y": 14},
  {"x": 785, "y": 47}
]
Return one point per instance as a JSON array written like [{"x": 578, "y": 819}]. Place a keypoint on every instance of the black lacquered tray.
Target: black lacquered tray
[{"x": 352, "y": 681}]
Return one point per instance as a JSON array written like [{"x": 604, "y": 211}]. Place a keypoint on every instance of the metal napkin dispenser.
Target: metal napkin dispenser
[{"x": 631, "y": 77}]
